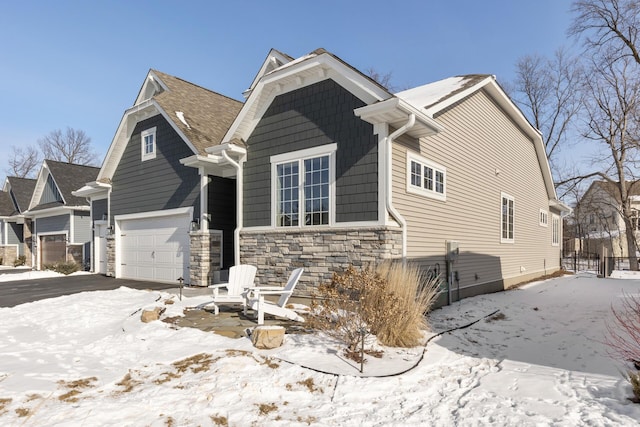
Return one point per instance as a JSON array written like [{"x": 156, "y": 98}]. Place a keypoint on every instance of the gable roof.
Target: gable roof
[
  {"x": 22, "y": 189},
  {"x": 314, "y": 67},
  {"x": 200, "y": 116},
  {"x": 67, "y": 178},
  {"x": 435, "y": 97},
  {"x": 611, "y": 188},
  {"x": 7, "y": 207}
]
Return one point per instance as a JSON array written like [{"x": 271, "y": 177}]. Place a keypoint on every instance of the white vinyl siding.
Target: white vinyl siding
[{"x": 484, "y": 154}]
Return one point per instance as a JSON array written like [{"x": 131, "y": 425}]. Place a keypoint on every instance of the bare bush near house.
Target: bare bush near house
[
  {"x": 623, "y": 336},
  {"x": 388, "y": 301}
]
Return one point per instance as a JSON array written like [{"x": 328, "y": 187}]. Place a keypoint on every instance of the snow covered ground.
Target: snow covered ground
[{"x": 86, "y": 359}]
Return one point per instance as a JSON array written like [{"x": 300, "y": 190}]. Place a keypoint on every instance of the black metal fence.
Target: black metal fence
[{"x": 581, "y": 262}]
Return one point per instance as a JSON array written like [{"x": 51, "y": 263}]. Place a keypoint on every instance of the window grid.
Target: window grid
[
  {"x": 314, "y": 191},
  {"x": 426, "y": 178},
  {"x": 555, "y": 230},
  {"x": 288, "y": 206}
]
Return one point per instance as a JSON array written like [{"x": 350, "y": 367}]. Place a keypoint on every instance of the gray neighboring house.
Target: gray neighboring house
[
  {"x": 61, "y": 225},
  {"x": 15, "y": 228},
  {"x": 161, "y": 206}
]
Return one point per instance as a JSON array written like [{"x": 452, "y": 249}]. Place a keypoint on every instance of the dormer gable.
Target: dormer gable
[
  {"x": 151, "y": 87},
  {"x": 275, "y": 59}
]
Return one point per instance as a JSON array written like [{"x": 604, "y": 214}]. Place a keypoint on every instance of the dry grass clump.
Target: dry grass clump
[
  {"x": 219, "y": 420},
  {"x": 634, "y": 380},
  {"x": 267, "y": 408},
  {"x": 388, "y": 300},
  {"x": 75, "y": 387}
]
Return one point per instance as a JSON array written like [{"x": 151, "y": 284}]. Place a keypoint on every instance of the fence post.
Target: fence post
[{"x": 575, "y": 261}]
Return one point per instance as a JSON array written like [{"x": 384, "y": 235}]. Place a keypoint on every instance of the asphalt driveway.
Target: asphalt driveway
[{"x": 17, "y": 292}]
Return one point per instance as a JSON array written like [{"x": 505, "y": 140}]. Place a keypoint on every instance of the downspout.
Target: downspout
[
  {"x": 236, "y": 233},
  {"x": 392, "y": 210}
]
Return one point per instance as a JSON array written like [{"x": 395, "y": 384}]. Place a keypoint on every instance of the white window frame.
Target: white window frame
[
  {"x": 505, "y": 196},
  {"x": 421, "y": 190},
  {"x": 300, "y": 156},
  {"x": 555, "y": 230},
  {"x": 544, "y": 218},
  {"x": 143, "y": 135}
]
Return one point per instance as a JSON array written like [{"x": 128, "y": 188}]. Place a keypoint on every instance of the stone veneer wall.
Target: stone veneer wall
[
  {"x": 111, "y": 256},
  {"x": 8, "y": 253},
  {"x": 204, "y": 259},
  {"x": 321, "y": 253}
]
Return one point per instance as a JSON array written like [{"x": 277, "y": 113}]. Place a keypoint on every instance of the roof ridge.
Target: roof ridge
[{"x": 196, "y": 85}]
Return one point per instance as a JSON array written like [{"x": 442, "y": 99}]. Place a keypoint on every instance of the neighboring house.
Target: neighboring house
[
  {"x": 340, "y": 171},
  {"x": 599, "y": 222},
  {"x": 61, "y": 225},
  {"x": 15, "y": 229},
  {"x": 162, "y": 209}
]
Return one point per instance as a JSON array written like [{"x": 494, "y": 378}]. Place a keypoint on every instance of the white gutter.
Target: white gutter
[
  {"x": 236, "y": 233},
  {"x": 388, "y": 174}
]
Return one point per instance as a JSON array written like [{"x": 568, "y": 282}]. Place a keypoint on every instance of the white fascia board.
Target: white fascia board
[
  {"x": 39, "y": 187},
  {"x": 92, "y": 189},
  {"x": 311, "y": 70},
  {"x": 152, "y": 79},
  {"x": 562, "y": 207},
  {"x": 58, "y": 210},
  {"x": 198, "y": 160},
  {"x": 269, "y": 61},
  {"x": 379, "y": 112},
  {"x": 230, "y": 148},
  {"x": 155, "y": 214}
]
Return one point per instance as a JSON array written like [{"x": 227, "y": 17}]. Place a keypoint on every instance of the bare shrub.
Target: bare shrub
[
  {"x": 388, "y": 301},
  {"x": 623, "y": 338},
  {"x": 623, "y": 334}
]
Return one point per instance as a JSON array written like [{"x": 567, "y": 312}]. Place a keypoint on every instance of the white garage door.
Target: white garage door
[{"x": 155, "y": 249}]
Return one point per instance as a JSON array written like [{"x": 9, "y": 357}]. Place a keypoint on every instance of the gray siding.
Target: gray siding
[
  {"x": 50, "y": 192},
  {"x": 157, "y": 184},
  {"x": 52, "y": 224},
  {"x": 98, "y": 209},
  {"x": 315, "y": 115},
  {"x": 15, "y": 233},
  {"x": 81, "y": 227},
  {"x": 222, "y": 207}
]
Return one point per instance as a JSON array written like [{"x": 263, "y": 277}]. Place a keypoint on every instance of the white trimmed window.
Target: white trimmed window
[
  {"x": 302, "y": 190},
  {"x": 555, "y": 230},
  {"x": 544, "y": 218},
  {"x": 425, "y": 177},
  {"x": 148, "y": 138},
  {"x": 507, "y": 217}
]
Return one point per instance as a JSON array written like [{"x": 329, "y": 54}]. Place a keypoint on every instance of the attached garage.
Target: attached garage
[{"x": 153, "y": 247}]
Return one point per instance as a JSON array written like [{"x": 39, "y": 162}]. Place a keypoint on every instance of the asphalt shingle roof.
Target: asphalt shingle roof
[
  {"x": 70, "y": 177},
  {"x": 208, "y": 115},
  {"x": 22, "y": 189},
  {"x": 6, "y": 204}
]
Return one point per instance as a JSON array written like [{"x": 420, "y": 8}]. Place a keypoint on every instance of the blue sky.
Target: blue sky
[{"x": 81, "y": 63}]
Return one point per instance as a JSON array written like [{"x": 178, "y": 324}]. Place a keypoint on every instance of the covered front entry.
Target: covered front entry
[
  {"x": 53, "y": 249},
  {"x": 154, "y": 248}
]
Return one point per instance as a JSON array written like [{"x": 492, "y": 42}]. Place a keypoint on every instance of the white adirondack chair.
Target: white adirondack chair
[
  {"x": 257, "y": 302},
  {"x": 241, "y": 278}
]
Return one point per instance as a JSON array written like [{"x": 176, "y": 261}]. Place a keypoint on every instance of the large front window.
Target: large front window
[{"x": 303, "y": 189}]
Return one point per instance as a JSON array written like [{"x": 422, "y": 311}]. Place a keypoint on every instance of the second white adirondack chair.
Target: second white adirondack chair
[{"x": 255, "y": 299}]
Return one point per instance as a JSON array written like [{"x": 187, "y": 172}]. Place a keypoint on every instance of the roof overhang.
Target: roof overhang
[
  {"x": 562, "y": 207},
  {"x": 92, "y": 189},
  {"x": 58, "y": 210},
  {"x": 214, "y": 163},
  {"x": 396, "y": 112}
]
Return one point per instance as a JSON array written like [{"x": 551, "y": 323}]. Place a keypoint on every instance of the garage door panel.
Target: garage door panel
[{"x": 155, "y": 249}]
